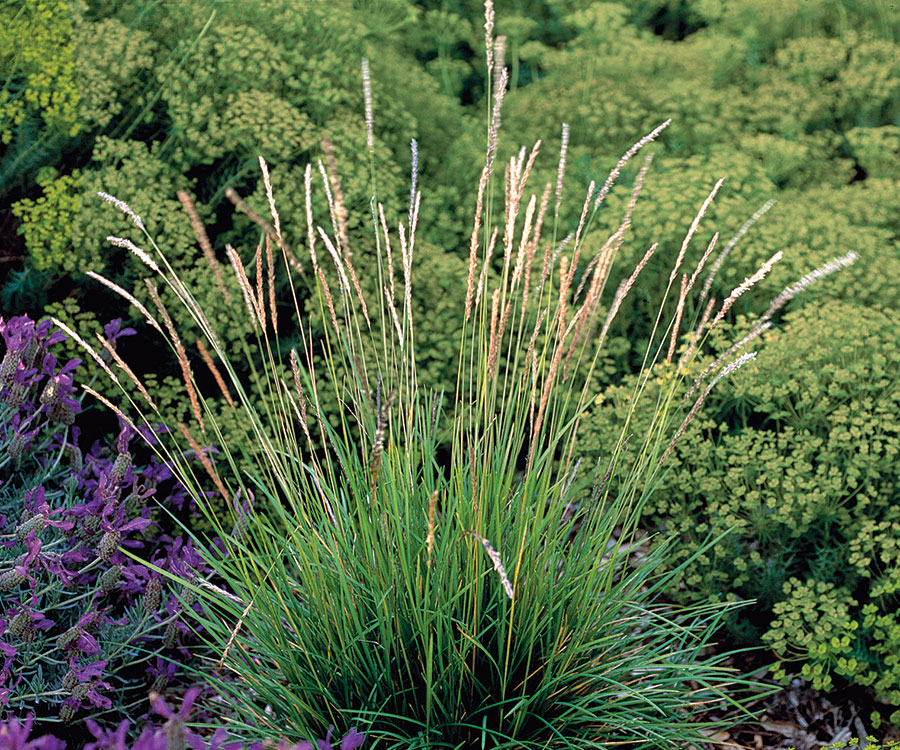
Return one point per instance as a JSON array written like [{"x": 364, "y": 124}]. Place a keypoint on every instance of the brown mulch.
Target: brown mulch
[{"x": 799, "y": 717}]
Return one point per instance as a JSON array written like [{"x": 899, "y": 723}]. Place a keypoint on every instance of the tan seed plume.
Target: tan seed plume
[
  {"x": 270, "y": 197},
  {"x": 819, "y": 273},
  {"x": 622, "y": 293},
  {"x": 241, "y": 204},
  {"x": 339, "y": 217},
  {"x": 270, "y": 266},
  {"x": 220, "y": 381},
  {"x": 494, "y": 130},
  {"x": 432, "y": 513},
  {"x": 709, "y": 249},
  {"x": 128, "y": 296},
  {"x": 524, "y": 173},
  {"x": 532, "y": 248},
  {"x": 340, "y": 221},
  {"x": 244, "y": 282},
  {"x": 203, "y": 239},
  {"x": 128, "y": 371},
  {"x": 728, "y": 248},
  {"x": 698, "y": 332},
  {"x": 394, "y": 317},
  {"x": 332, "y": 250},
  {"x": 406, "y": 262},
  {"x": 124, "y": 208},
  {"x": 328, "y": 300},
  {"x": 260, "y": 301},
  {"x": 616, "y": 239},
  {"x": 367, "y": 98},
  {"x": 483, "y": 276},
  {"x": 129, "y": 245},
  {"x": 489, "y": 32},
  {"x": 693, "y": 229},
  {"x": 524, "y": 243},
  {"x": 310, "y": 234},
  {"x": 186, "y": 373},
  {"x": 204, "y": 460},
  {"x": 390, "y": 258},
  {"x": 329, "y": 196},
  {"x": 678, "y": 313},
  {"x": 739, "y": 362},
  {"x": 498, "y": 564},
  {"x": 375, "y": 455},
  {"x": 111, "y": 406},
  {"x": 565, "y": 279},
  {"x": 744, "y": 286},
  {"x": 499, "y": 57},
  {"x": 493, "y": 346},
  {"x": 603, "y": 261},
  {"x": 561, "y": 169},
  {"x": 301, "y": 397},
  {"x": 88, "y": 348},
  {"x": 764, "y": 323},
  {"x": 617, "y": 170},
  {"x": 550, "y": 261},
  {"x": 584, "y": 209},
  {"x": 473, "y": 240},
  {"x": 733, "y": 349}
]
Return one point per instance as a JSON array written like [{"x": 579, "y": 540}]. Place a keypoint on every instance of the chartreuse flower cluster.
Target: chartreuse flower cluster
[
  {"x": 871, "y": 744},
  {"x": 794, "y": 469},
  {"x": 39, "y": 68}
]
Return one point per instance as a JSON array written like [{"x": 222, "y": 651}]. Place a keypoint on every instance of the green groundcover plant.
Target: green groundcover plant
[
  {"x": 414, "y": 564},
  {"x": 798, "y": 461}
]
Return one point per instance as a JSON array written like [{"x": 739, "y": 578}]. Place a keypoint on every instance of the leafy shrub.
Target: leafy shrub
[
  {"x": 113, "y": 67},
  {"x": 37, "y": 37},
  {"x": 766, "y": 97},
  {"x": 39, "y": 99},
  {"x": 798, "y": 461},
  {"x": 876, "y": 150},
  {"x": 49, "y": 245}
]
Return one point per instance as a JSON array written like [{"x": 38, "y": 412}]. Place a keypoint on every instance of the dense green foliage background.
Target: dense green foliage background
[{"x": 796, "y": 100}]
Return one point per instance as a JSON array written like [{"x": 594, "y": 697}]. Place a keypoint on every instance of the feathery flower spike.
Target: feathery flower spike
[{"x": 124, "y": 208}]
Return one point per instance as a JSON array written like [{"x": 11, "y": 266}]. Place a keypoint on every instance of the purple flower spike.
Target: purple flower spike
[
  {"x": 14, "y": 736},
  {"x": 219, "y": 741},
  {"x": 113, "y": 740},
  {"x": 353, "y": 740},
  {"x": 150, "y": 740},
  {"x": 114, "y": 330},
  {"x": 161, "y": 707}
]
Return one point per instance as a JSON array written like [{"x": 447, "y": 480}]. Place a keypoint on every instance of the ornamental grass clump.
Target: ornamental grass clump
[
  {"x": 84, "y": 630},
  {"x": 415, "y": 564}
]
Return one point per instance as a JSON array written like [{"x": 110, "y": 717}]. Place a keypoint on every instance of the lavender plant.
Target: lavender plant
[
  {"x": 83, "y": 628},
  {"x": 15, "y": 735}
]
